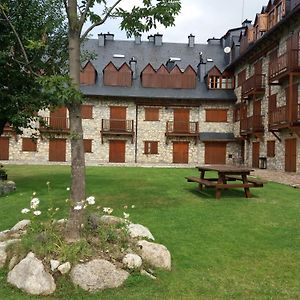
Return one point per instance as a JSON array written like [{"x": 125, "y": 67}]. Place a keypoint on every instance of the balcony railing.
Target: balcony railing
[
  {"x": 182, "y": 128},
  {"x": 251, "y": 125},
  {"x": 254, "y": 85},
  {"x": 55, "y": 124},
  {"x": 284, "y": 64},
  {"x": 117, "y": 127},
  {"x": 278, "y": 117}
]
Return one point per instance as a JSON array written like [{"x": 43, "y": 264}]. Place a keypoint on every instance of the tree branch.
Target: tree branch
[
  {"x": 84, "y": 14},
  {"x": 107, "y": 15}
]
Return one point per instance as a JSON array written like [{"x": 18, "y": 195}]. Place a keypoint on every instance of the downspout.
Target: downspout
[{"x": 136, "y": 127}]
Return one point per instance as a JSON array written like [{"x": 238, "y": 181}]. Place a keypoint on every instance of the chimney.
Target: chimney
[
  {"x": 201, "y": 68},
  {"x": 137, "y": 39},
  {"x": 170, "y": 64},
  {"x": 101, "y": 40},
  {"x": 133, "y": 65},
  {"x": 191, "y": 41},
  {"x": 109, "y": 36},
  {"x": 151, "y": 38},
  {"x": 246, "y": 23},
  {"x": 158, "y": 39}
]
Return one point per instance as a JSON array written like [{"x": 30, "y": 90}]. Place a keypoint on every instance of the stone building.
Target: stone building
[{"x": 232, "y": 100}]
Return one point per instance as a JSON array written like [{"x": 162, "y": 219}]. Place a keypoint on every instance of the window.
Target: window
[
  {"x": 87, "y": 111},
  {"x": 216, "y": 115},
  {"x": 87, "y": 144},
  {"x": 214, "y": 82},
  {"x": 29, "y": 144},
  {"x": 150, "y": 147},
  {"x": 279, "y": 12},
  {"x": 271, "y": 148},
  {"x": 151, "y": 114}
]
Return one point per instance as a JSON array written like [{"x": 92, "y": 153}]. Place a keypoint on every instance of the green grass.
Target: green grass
[{"x": 233, "y": 248}]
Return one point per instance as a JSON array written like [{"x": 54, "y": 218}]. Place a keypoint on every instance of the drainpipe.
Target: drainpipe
[{"x": 136, "y": 127}]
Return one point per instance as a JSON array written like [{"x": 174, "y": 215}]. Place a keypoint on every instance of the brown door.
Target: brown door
[
  {"x": 215, "y": 153},
  {"x": 290, "y": 155},
  {"x": 117, "y": 151},
  {"x": 4, "y": 148},
  {"x": 180, "y": 152},
  {"x": 181, "y": 120},
  {"x": 293, "y": 52},
  {"x": 57, "y": 150},
  {"x": 258, "y": 73},
  {"x": 117, "y": 118},
  {"x": 255, "y": 154},
  {"x": 58, "y": 118}
]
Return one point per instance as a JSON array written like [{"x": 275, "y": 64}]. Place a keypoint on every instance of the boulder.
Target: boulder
[
  {"x": 138, "y": 230},
  {"x": 21, "y": 225},
  {"x": 64, "y": 268},
  {"x": 3, "y": 254},
  {"x": 4, "y": 234},
  {"x": 7, "y": 187},
  {"x": 156, "y": 255},
  {"x": 30, "y": 276},
  {"x": 132, "y": 261},
  {"x": 98, "y": 274},
  {"x": 54, "y": 264},
  {"x": 111, "y": 220}
]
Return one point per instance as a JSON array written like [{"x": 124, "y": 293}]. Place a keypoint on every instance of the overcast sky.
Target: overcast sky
[{"x": 203, "y": 18}]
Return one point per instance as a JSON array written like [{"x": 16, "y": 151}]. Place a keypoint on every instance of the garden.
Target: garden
[{"x": 232, "y": 248}]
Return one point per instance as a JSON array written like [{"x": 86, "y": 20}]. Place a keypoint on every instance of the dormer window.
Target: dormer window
[
  {"x": 214, "y": 82},
  {"x": 218, "y": 80}
]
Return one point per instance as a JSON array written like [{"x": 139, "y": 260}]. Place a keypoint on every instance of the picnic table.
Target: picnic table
[{"x": 227, "y": 174}]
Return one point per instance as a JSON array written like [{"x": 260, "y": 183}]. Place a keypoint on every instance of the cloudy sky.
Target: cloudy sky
[{"x": 203, "y": 18}]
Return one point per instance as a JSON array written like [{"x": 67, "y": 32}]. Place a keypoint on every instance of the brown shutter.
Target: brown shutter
[
  {"x": 270, "y": 148},
  {"x": 87, "y": 144},
  {"x": 57, "y": 150},
  {"x": 117, "y": 118},
  {"x": 117, "y": 151},
  {"x": 241, "y": 77},
  {"x": 255, "y": 154},
  {"x": 272, "y": 102},
  {"x": 4, "y": 148},
  {"x": 29, "y": 144},
  {"x": 180, "y": 152},
  {"x": 290, "y": 155},
  {"x": 215, "y": 153},
  {"x": 87, "y": 111},
  {"x": 216, "y": 115},
  {"x": 181, "y": 119},
  {"x": 151, "y": 114},
  {"x": 58, "y": 118}
]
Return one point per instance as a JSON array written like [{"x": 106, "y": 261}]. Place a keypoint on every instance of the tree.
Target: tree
[
  {"x": 33, "y": 35},
  {"x": 137, "y": 20}
]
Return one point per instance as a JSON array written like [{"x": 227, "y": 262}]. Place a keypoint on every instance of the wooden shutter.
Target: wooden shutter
[
  {"x": 270, "y": 148},
  {"x": 118, "y": 118},
  {"x": 58, "y": 118},
  {"x": 150, "y": 147},
  {"x": 29, "y": 144},
  {"x": 215, "y": 153},
  {"x": 241, "y": 77},
  {"x": 87, "y": 144},
  {"x": 290, "y": 155},
  {"x": 181, "y": 120},
  {"x": 4, "y": 148},
  {"x": 151, "y": 114},
  {"x": 87, "y": 111},
  {"x": 57, "y": 150},
  {"x": 255, "y": 154},
  {"x": 216, "y": 115},
  {"x": 117, "y": 151},
  {"x": 272, "y": 102},
  {"x": 180, "y": 152}
]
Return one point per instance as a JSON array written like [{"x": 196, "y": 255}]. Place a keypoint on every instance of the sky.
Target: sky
[{"x": 203, "y": 18}]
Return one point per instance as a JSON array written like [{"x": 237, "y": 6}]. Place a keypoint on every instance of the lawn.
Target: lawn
[{"x": 233, "y": 248}]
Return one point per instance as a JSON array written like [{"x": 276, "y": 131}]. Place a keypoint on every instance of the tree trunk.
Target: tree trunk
[{"x": 76, "y": 134}]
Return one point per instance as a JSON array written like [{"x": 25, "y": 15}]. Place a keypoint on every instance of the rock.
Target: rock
[
  {"x": 3, "y": 254},
  {"x": 143, "y": 272},
  {"x": 12, "y": 262},
  {"x": 21, "y": 225},
  {"x": 132, "y": 261},
  {"x": 111, "y": 220},
  {"x": 98, "y": 274},
  {"x": 7, "y": 187},
  {"x": 30, "y": 276},
  {"x": 138, "y": 230},
  {"x": 61, "y": 221},
  {"x": 64, "y": 268},
  {"x": 156, "y": 255},
  {"x": 4, "y": 234},
  {"x": 54, "y": 264}
]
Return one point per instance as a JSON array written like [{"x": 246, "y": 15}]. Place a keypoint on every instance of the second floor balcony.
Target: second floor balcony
[
  {"x": 55, "y": 124},
  {"x": 284, "y": 64},
  {"x": 255, "y": 85},
  {"x": 182, "y": 129},
  {"x": 119, "y": 127},
  {"x": 280, "y": 117},
  {"x": 251, "y": 125}
]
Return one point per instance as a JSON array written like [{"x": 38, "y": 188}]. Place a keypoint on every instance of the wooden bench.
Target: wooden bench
[
  {"x": 206, "y": 182},
  {"x": 256, "y": 182}
]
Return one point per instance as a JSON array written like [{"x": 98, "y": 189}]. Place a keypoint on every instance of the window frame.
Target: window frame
[{"x": 151, "y": 147}]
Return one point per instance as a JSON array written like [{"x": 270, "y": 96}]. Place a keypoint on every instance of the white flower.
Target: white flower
[
  {"x": 107, "y": 210},
  {"x": 48, "y": 182},
  {"x": 78, "y": 207},
  {"x": 125, "y": 206},
  {"x": 34, "y": 193},
  {"x": 132, "y": 206},
  {"x": 25, "y": 210},
  {"x": 67, "y": 188},
  {"x": 67, "y": 200},
  {"x": 34, "y": 203},
  {"x": 126, "y": 216},
  {"x": 37, "y": 212},
  {"x": 90, "y": 200},
  {"x": 57, "y": 208}
]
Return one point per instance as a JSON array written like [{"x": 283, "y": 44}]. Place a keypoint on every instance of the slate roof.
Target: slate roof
[{"x": 147, "y": 52}]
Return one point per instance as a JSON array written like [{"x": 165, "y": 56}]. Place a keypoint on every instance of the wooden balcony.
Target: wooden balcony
[
  {"x": 117, "y": 127},
  {"x": 182, "y": 129},
  {"x": 55, "y": 125},
  {"x": 255, "y": 85},
  {"x": 284, "y": 64},
  {"x": 251, "y": 126}
]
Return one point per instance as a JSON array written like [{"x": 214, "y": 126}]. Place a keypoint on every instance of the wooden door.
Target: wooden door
[
  {"x": 57, "y": 150},
  {"x": 292, "y": 101},
  {"x": 293, "y": 52},
  {"x": 215, "y": 153},
  {"x": 118, "y": 118},
  {"x": 290, "y": 155},
  {"x": 117, "y": 151},
  {"x": 181, "y": 120},
  {"x": 258, "y": 73},
  {"x": 255, "y": 154},
  {"x": 4, "y": 148},
  {"x": 180, "y": 152},
  {"x": 58, "y": 118}
]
